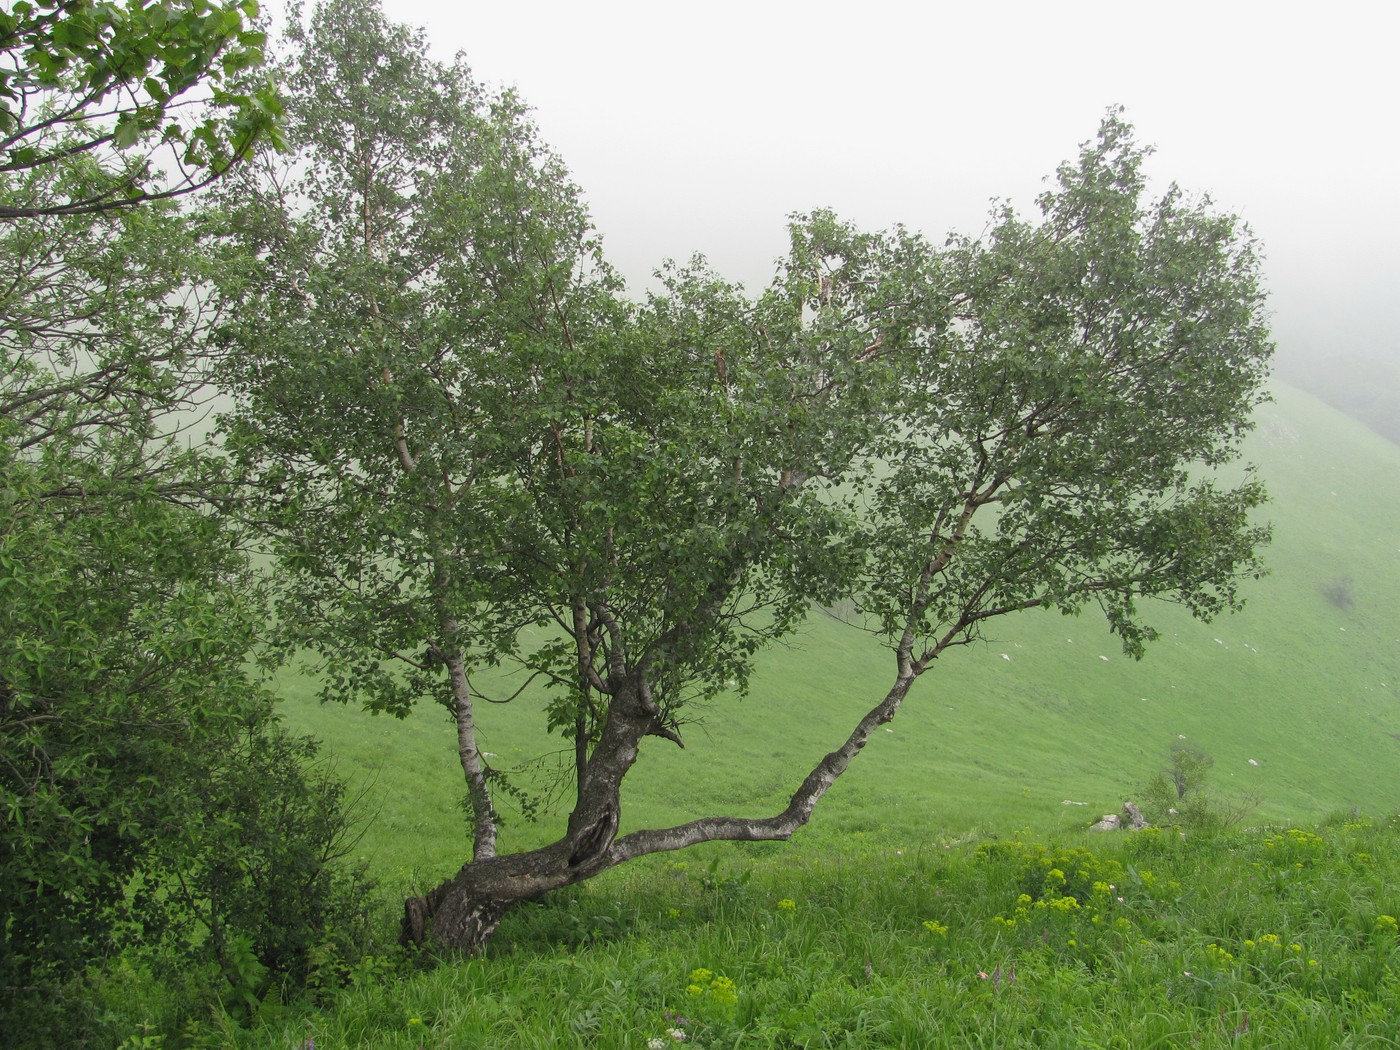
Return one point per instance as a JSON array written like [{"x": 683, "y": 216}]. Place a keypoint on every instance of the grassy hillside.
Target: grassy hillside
[
  {"x": 1364, "y": 384},
  {"x": 1305, "y": 682}
]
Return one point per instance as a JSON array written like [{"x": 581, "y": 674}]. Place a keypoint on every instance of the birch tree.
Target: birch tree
[{"x": 463, "y": 428}]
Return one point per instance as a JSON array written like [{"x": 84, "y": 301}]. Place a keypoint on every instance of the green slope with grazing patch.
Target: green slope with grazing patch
[{"x": 1297, "y": 698}]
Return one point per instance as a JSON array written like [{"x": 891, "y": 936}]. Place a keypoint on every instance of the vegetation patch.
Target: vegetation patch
[{"x": 1029, "y": 941}]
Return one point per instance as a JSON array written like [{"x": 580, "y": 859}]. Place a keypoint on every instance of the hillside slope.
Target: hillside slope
[
  {"x": 1305, "y": 682},
  {"x": 1363, "y": 384}
]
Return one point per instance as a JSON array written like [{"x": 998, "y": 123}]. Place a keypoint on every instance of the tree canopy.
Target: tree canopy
[
  {"x": 462, "y": 427},
  {"x": 112, "y": 93}
]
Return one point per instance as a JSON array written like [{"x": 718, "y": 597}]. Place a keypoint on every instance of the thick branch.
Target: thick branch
[{"x": 782, "y": 825}]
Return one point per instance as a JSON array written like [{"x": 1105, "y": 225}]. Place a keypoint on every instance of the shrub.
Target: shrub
[
  {"x": 243, "y": 890},
  {"x": 1178, "y": 795},
  {"x": 261, "y": 872}
]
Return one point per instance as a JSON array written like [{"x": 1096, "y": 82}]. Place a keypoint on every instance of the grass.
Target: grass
[{"x": 1271, "y": 937}]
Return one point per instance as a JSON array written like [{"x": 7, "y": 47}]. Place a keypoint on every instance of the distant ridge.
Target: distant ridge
[{"x": 1363, "y": 386}]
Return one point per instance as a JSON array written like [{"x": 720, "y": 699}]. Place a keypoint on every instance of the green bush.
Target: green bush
[
  {"x": 242, "y": 895},
  {"x": 1178, "y": 795},
  {"x": 260, "y": 870},
  {"x": 148, "y": 800}
]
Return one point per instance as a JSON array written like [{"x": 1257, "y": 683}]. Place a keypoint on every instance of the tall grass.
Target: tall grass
[{"x": 1272, "y": 937}]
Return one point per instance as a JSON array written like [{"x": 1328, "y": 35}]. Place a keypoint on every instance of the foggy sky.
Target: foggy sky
[{"x": 700, "y": 127}]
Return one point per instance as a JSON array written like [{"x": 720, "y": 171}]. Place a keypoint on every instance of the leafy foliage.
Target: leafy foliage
[
  {"x": 147, "y": 801},
  {"x": 1084, "y": 372},
  {"x": 400, "y": 259},
  {"x": 120, "y": 678},
  {"x": 118, "y": 88},
  {"x": 261, "y": 863}
]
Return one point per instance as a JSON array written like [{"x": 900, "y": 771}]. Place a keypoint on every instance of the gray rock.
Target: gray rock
[{"x": 1131, "y": 819}]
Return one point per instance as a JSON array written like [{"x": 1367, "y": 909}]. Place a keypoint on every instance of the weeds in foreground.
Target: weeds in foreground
[{"x": 1271, "y": 937}]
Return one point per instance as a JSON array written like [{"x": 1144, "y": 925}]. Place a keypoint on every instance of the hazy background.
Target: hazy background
[{"x": 700, "y": 127}]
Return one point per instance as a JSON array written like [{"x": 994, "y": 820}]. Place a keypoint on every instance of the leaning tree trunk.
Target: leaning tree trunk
[{"x": 464, "y": 911}]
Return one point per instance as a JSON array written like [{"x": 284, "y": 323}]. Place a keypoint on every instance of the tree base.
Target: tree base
[{"x": 451, "y": 919}]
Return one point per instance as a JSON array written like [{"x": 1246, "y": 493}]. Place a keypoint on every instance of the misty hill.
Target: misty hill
[
  {"x": 1297, "y": 698},
  {"x": 1365, "y": 386}
]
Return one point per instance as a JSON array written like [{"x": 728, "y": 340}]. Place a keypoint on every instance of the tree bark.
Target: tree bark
[
  {"x": 464, "y": 911},
  {"x": 478, "y": 790}
]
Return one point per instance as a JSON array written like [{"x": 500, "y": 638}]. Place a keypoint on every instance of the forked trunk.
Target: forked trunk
[{"x": 463, "y": 912}]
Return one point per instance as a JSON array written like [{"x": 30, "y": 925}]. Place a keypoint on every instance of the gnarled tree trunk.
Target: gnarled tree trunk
[{"x": 463, "y": 912}]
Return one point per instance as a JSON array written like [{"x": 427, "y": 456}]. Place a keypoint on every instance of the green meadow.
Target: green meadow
[
  {"x": 1275, "y": 937},
  {"x": 947, "y": 892}
]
